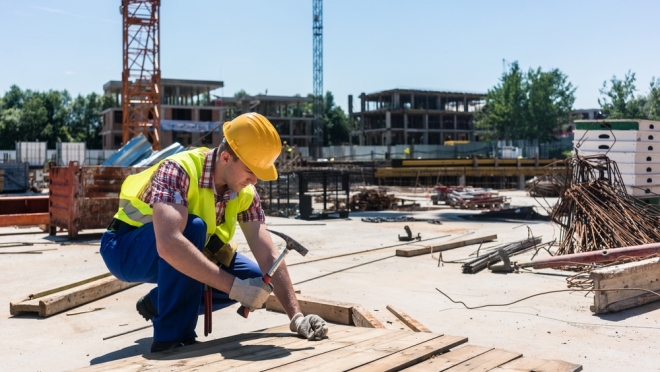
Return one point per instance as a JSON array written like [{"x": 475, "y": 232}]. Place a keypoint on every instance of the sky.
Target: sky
[{"x": 265, "y": 46}]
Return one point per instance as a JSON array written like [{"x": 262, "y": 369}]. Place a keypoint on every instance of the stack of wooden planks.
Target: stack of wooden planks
[{"x": 346, "y": 348}]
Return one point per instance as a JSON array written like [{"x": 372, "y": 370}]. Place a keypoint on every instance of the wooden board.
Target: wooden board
[
  {"x": 538, "y": 365},
  {"x": 418, "y": 251},
  {"x": 641, "y": 274},
  {"x": 62, "y": 298},
  {"x": 363, "y": 318},
  {"x": 408, "y": 320},
  {"x": 334, "y": 312},
  {"x": 345, "y": 348}
]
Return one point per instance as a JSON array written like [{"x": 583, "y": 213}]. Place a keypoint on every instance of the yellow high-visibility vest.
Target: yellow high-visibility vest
[{"x": 201, "y": 201}]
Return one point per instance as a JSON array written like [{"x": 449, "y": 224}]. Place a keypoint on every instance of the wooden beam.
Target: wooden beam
[
  {"x": 63, "y": 298},
  {"x": 418, "y": 251},
  {"x": 408, "y": 320},
  {"x": 363, "y": 318},
  {"x": 330, "y": 311},
  {"x": 28, "y": 219},
  {"x": 641, "y": 274}
]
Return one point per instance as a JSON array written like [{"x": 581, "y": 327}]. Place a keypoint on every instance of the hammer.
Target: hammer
[{"x": 291, "y": 244}]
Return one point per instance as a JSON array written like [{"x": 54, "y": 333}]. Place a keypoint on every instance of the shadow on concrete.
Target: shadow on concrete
[
  {"x": 83, "y": 238},
  {"x": 630, "y": 313},
  {"x": 141, "y": 346}
]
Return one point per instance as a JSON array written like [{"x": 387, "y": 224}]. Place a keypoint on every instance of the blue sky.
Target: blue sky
[{"x": 260, "y": 45}]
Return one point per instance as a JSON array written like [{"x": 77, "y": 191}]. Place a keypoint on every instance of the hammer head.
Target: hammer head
[{"x": 291, "y": 244}]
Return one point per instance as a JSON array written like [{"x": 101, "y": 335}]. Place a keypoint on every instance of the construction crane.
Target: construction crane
[
  {"x": 318, "y": 124},
  {"x": 141, "y": 91}
]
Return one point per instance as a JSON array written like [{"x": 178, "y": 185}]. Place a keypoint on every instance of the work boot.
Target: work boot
[
  {"x": 158, "y": 346},
  {"x": 146, "y": 308}
]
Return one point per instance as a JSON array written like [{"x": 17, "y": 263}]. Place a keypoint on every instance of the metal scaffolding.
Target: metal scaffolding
[{"x": 141, "y": 70}]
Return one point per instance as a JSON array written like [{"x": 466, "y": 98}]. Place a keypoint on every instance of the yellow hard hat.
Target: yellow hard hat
[{"x": 256, "y": 142}]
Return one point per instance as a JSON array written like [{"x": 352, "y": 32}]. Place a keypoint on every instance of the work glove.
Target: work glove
[
  {"x": 311, "y": 326},
  {"x": 251, "y": 293}
]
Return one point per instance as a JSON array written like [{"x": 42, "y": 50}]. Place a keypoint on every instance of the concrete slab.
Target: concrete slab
[{"x": 556, "y": 326}]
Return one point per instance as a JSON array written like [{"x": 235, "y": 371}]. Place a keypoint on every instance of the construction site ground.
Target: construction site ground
[{"x": 554, "y": 326}]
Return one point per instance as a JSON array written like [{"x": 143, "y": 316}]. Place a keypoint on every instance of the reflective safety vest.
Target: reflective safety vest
[{"x": 201, "y": 201}]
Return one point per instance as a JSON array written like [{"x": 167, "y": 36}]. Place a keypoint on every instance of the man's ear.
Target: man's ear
[{"x": 224, "y": 157}]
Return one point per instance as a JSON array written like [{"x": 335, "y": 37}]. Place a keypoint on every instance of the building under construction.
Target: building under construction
[
  {"x": 404, "y": 116},
  {"x": 191, "y": 115}
]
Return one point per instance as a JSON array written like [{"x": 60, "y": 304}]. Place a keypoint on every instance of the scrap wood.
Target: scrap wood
[
  {"x": 85, "y": 311},
  {"x": 642, "y": 274},
  {"x": 408, "y": 320},
  {"x": 62, "y": 298},
  {"x": 417, "y": 251},
  {"x": 372, "y": 200}
]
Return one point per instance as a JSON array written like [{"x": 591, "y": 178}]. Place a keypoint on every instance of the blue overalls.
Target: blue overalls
[{"x": 130, "y": 254}]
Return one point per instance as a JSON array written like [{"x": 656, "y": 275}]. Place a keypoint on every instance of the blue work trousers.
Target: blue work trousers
[{"x": 130, "y": 254}]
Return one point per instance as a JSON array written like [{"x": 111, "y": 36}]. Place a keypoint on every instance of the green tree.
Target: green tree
[
  {"x": 619, "y": 102},
  {"x": 528, "y": 105},
  {"x": 336, "y": 128}
]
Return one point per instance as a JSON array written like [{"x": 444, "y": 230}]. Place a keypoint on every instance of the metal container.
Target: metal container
[
  {"x": 33, "y": 153},
  {"x": 70, "y": 151},
  {"x": 85, "y": 197},
  {"x": 15, "y": 177}
]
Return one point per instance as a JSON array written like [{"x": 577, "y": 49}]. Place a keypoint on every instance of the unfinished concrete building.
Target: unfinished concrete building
[
  {"x": 404, "y": 116},
  {"x": 185, "y": 111},
  {"x": 189, "y": 112},
  {"x": 291, "y": 115}
]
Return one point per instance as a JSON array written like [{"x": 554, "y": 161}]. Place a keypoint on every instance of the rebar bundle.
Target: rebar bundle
[
  {"x": 481, "y": 262},
  {"x": 595, "y": 211}
]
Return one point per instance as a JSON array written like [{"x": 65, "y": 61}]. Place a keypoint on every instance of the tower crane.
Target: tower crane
[
  {"x": 317, "y": 33},
  {"x": 140, "y": 94}
]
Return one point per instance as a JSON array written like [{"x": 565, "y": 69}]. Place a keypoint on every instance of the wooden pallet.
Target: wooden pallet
[{"x": 346, "y": 348}]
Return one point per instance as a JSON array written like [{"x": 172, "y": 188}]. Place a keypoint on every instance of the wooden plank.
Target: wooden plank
[
  {"x": 408, "y": 320},
  {"x": 413, "y": 355},
  {"x": 363, "y": 318},
  {"x": 486, "y": 361},
  {"x": 198, "y": 354},
  {"x": 538, "y": 365},
  {"x": 28, "y": 219},
  {"x": 418, "y": 251},
  {"x": 278, "y": 357},
  {"x": 56, "y": 300},
  {"x": 358, "y": 354},
  {"x": 450, "y": 359},
  {"x": 334, "y": 312},
  {"x": 641, "y": 274}
]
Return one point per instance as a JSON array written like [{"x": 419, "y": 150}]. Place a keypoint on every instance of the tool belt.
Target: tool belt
[{"x": 218, "y": 252}]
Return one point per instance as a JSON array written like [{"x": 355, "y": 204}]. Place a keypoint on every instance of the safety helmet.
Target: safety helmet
[{"x": 256, "y": 142}]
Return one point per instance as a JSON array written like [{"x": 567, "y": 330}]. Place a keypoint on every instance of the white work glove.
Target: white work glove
[
  {"x": 251, "y": 293},
  {"x": 311, "y": 326}
]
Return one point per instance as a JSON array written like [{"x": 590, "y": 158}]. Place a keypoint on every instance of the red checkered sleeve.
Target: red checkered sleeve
[
  {"x": 169, "y": 185},
  {"x": 254, "y": 213}
]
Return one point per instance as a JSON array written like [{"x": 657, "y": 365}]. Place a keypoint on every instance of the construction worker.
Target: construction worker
[{"x": 175, "y": 224}]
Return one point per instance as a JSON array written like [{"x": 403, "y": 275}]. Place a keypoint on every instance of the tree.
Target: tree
[
  {"x": 619, "y": 100},
  {"x": 337, "y": 131},
  {"x": 528, "y": 105}
]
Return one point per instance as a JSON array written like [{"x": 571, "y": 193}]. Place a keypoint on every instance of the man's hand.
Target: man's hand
[
  {"x": 251, "y": 293},
  {"x": 311, "y": 327}
]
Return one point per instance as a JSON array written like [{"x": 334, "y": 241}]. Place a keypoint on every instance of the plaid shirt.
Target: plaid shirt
[{"x": 170, "y": 184}]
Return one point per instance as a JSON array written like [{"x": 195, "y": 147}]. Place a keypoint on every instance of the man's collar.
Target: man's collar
[{"x": 206, "y": 181}]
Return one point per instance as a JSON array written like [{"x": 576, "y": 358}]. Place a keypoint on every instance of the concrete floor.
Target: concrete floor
[{"x": 555, "y": 326}]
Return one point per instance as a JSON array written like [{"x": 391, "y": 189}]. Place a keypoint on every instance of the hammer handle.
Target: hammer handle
[{"x": 244, "y": 311}]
